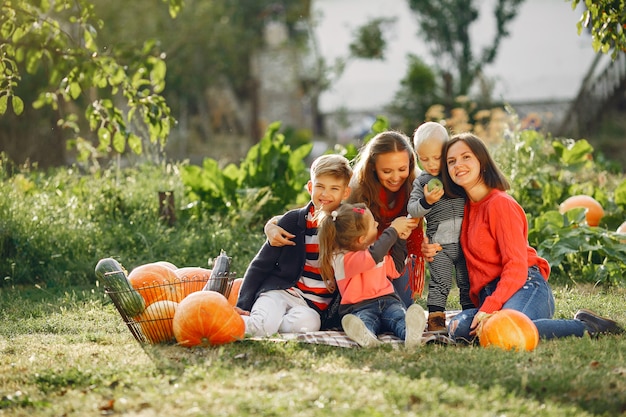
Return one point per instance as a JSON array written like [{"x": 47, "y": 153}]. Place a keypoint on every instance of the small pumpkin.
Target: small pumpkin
[
  {"x": 593, "y": 210},
  {"x": 233, "y": 295},
  {"x": 192, "y": 279},
  {"x": 156, "y": 321},
  {"x": 205, "y": 318},
  {"x": 509, "y": 330},
  {"x": 155, "y": 282}
]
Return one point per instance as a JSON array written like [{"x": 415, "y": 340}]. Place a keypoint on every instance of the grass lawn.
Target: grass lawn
[{"x": 68, "y": 353}]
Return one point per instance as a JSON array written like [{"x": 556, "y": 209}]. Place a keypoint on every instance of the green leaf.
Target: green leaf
[
  {"x": 119, "y": 142},
  {"x": 104, "y": 136},
  {"x": 4, "y": 100},
  {"x": 18, "y": 105},
  {"x": 7, "y": 29},
  {"x": 75, "y": 90},
  {"x": 134, "y": 143}
]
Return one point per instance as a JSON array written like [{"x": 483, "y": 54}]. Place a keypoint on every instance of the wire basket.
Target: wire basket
[{"x": 148, "y": 311}]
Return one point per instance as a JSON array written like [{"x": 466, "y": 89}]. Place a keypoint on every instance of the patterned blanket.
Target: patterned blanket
[{"x": 339, "y": 338}]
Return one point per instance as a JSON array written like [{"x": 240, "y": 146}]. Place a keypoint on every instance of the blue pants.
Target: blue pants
[
  {"x": 535, "y": 299},
  {"x": 384, "y": 314}
]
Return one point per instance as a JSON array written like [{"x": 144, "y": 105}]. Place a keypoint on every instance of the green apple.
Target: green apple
[{"x": 434, "y": 184}]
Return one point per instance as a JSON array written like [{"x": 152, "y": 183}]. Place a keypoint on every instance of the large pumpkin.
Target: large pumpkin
[
  {"x": 233, "y": 295},
  {"x": 593, "y": 210},
  {"x": 156, "y": 321},
  {"x": 205, "y": 318},
  {"x": 168, "y": 264},
  {"x": 192, "y": 279},
  {"x": 509, "y": 330},
  {"x": 155, "y": 282}
]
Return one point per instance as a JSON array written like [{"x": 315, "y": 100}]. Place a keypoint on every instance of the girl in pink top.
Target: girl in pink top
[
  {"x": 504, "y": 270},
  {"x": 361, "y": 265}
]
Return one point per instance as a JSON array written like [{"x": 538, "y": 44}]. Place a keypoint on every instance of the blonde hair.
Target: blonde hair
[
  {"x": 427, "y": 131},
  {"x": 333, "y": 165},
  {"x": 336, "y": 231}
]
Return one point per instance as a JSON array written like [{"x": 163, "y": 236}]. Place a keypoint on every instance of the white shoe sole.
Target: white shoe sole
[
  {"x": 356, "y": 330},
  {"x": 415, "y": 326}
]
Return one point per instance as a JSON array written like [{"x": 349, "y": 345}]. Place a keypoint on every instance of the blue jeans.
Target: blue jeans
[
  {"x": 535, "y": 299},
  {"x": 402, "y": 288},
  {"x": 384, "y": 314}
]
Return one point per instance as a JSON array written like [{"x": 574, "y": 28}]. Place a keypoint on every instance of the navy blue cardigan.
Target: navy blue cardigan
[{"x": 276, "y": 268}]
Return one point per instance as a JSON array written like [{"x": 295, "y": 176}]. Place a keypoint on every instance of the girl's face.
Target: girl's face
[
  {"x": 392, "y": 169},
  {"x": 372, "y": 229},
  {"x": 463, "y": 166},
  {"x": 429, "y": 156}
]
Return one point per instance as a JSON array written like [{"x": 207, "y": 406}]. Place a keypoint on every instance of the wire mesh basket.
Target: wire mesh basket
[{"x": 148, "y": 311}]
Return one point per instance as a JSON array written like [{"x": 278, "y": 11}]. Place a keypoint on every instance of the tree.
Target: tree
[
  {"x": 445, "y": 25},
  {"x": 606, "y": 19},
  {"x": 57, "y": 43}
]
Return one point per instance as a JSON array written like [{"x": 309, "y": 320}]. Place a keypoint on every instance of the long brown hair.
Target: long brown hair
[
  {"x": 336, "y": 231},
  {"x": 491, "y": 174},
  {"x": 365, "y": 183}
]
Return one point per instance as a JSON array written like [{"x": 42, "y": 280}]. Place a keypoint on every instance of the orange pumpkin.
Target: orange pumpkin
[
  {"x": 156, "y": 321},
  {"x": 233, "y": 295},
  {"x": 593, "y": 210},
  {"x": 155, "y": 282},
  {"x": 168, "y": 264},
  {"x": 509, "y": 330},
  {"x": 192, "y": 279},
  {"x": 205, "y": 318}
]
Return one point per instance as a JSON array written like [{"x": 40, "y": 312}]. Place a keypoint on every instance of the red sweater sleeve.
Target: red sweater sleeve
[{"x": 495, "y": 244}]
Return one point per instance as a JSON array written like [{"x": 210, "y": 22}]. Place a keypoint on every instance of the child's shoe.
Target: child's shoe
[
  {"x": 357, "y": 330},
  {"x": 437, "y": 322},
  {"x": 415, "y": 324}
]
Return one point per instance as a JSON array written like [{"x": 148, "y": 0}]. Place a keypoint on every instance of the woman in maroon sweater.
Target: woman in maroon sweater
[{"x": 504, "y": 270}]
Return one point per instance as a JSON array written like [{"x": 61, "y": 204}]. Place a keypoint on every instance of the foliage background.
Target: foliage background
[{"x": 55, "y": 225}]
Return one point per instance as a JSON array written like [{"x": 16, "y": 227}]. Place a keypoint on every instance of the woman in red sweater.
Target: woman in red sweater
[{"x": 504, "y": 270}]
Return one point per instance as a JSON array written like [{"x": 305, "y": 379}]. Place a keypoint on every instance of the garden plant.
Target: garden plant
[{"x": 64, "y": 349}]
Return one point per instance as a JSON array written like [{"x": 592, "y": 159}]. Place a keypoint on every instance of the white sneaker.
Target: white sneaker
[
  {"x": 415, "y": 325},
  {"x": 356, "y": 330}
]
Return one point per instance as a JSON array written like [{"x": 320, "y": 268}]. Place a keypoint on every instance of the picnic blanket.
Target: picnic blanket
[{"x": 340, "y": 339}]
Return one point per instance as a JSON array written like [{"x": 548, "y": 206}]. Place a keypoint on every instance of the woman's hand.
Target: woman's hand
[
  {"x": 276, "y": 235},
  {"x": 477, "y": 323},
  {"x": 429, "y": 250}
]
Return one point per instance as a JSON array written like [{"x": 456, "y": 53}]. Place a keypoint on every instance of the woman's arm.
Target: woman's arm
[{"x": 276, "y": 235}]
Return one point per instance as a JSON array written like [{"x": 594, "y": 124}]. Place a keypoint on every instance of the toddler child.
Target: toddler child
[{"x": 443, "y": 216}]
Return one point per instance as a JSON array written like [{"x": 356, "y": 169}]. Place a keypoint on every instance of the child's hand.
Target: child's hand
[
  {"x": 434, "y": 196},
  {"x": 404, "y": 226},
  {"x": 242, "y": 312}
]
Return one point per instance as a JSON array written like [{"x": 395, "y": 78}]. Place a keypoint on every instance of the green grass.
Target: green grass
[{"x": 69, "y": 353}]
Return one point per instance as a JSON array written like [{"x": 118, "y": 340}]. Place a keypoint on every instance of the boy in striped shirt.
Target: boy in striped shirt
[{"x": 283, "y": 290}]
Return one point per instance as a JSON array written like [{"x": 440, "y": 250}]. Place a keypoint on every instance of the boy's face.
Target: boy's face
[
  {"x": 327, "y": 192},
  {"x": 429, "y": 156}
]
